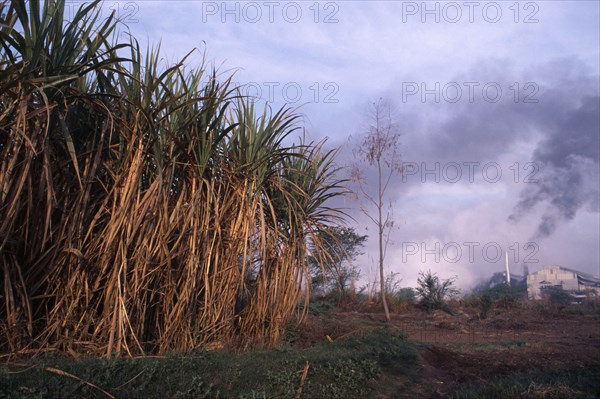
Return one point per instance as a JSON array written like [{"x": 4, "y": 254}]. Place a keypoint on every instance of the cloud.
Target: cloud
[
  {"x": 553, "y": 141},
  {"x": 371, "y": 52}
]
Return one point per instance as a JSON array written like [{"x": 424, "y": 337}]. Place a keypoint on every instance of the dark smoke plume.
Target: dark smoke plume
[{"x": 568, "y": 160}]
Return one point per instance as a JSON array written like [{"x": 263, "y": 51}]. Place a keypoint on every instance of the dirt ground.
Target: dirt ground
[{"x": 463, "y": 347}]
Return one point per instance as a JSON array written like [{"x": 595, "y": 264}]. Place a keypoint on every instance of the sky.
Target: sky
[{"x": 497, "y": 104}]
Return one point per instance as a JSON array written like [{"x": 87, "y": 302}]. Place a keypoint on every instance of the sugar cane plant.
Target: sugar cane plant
[{"x": 143, "y": 207}]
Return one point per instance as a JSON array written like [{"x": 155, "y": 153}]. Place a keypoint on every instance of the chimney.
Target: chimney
[{"x": 507, "y": 270}]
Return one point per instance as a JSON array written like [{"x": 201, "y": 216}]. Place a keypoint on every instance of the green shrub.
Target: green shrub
[
  {"x": 406, "y": 295},
  {"x": 434, "y": 292},
  {"x": 398, "y": 297},
  {"x": 500, "y": 295},
  {"x": 557, "y": 296}
]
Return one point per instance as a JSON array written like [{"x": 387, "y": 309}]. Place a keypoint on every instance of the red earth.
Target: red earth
[{"x": 465, "y": 347}]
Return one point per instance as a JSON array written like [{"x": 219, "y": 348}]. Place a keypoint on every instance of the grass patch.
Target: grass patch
[
  {"x": 320, "y": 307},
  {"x": 556, "y": 383},
  {"x": 348, "y": 368}
]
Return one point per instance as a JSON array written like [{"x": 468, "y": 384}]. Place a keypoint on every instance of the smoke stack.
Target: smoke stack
[{"x": 507, "y": 270}]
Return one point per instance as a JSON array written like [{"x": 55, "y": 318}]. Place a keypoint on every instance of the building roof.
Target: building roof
[
  {"x": 583, "y": 278},
  {"x": 594, "y": 282}
]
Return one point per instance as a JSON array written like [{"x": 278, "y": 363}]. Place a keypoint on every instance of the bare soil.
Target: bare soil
[{"x": 465, "y": 347}]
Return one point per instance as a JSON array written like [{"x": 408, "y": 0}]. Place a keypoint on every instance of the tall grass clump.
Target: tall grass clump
[{"x": 143, "y": 207}]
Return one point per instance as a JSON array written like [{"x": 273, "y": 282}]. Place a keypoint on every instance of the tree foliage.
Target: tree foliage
[{"x": 332, "y": 262}]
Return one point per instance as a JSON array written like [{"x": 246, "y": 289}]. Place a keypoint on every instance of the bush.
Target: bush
[
  {"x": 486, "y": 305},
  {"x": 406, "y": 295},
  {"x": 557, "y": 297},
  {"x": 501, "y": 295},
  {"x": 433, "y": 291},
  {"x": 395, "y": 295}
]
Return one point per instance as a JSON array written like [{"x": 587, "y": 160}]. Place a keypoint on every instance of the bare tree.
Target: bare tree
[{"x": 380, "y": 149}]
